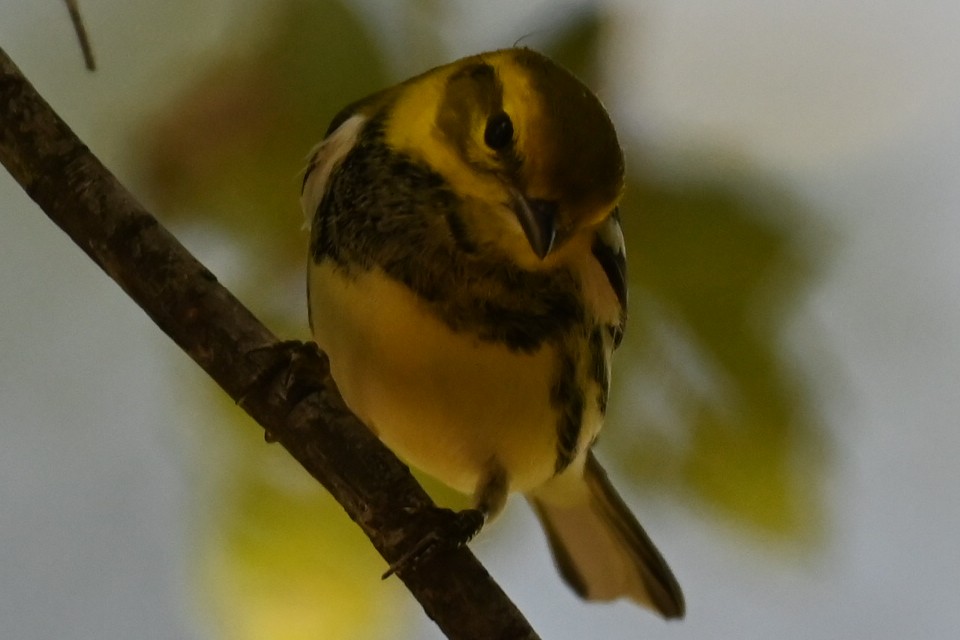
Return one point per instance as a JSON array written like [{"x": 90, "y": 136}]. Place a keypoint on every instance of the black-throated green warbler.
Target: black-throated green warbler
[{"x": 468, "y": 281}]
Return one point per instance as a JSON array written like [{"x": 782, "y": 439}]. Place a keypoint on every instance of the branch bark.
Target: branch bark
[{"x": 287, "y": 390}]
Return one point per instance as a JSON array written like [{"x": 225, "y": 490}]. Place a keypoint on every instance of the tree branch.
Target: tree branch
[{"x": 286, "y": 390}]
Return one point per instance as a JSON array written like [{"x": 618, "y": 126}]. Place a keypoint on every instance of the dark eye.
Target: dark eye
[{"x": 499, "y": 132}]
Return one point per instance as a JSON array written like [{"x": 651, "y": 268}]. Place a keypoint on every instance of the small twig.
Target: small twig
[{"x": 77, "y": 20}]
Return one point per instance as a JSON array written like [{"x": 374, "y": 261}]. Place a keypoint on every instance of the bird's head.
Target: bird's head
[{"x": 529, "y": 149}]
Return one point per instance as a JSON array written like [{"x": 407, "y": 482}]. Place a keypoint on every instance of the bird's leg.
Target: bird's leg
[
  {"x": 492, "y": 489},
  {"x": 454, "y": 529}
]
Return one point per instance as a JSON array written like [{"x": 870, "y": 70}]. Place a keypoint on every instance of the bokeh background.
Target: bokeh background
[{"x": 785, "y": 411}]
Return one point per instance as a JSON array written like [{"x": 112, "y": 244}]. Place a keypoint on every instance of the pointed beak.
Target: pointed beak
[{"x": 539, "y": 221}]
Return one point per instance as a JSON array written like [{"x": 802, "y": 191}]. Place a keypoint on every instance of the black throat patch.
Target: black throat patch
[{"x": 385, "y": 209}]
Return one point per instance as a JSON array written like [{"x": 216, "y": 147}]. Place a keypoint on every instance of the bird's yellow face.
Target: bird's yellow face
[{"x": 527, "y": 146}]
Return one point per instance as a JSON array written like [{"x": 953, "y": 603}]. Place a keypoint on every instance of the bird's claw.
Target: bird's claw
[
  {"x": 294, "y": 368},
  {"x": 452, "y": 530}
]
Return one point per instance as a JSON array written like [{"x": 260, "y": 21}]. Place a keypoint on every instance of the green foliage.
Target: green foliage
[
  {"x": 718, "y": 261},
  {"x": 715, "y": 271},
  {"x": 230, "y": 152}
]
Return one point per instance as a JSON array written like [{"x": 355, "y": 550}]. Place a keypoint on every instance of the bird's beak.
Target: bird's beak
[{"x": 539, "y": 221}]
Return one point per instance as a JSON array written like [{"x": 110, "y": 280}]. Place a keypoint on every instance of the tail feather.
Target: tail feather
[{"x": 599, "y": 547}]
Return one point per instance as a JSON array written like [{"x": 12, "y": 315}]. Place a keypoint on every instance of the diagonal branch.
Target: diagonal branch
[{"x": 286, "y": 389}]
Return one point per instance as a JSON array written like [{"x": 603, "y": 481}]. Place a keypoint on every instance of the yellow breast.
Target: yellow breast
[{"x": 446, "y": 402}]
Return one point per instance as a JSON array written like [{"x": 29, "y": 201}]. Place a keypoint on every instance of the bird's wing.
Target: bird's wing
[
  {"x": 610, "y": 251},
  {"x": 324, "y": 159}
]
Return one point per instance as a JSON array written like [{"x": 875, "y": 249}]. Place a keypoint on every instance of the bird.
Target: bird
[{"x": 467, "y": 281}]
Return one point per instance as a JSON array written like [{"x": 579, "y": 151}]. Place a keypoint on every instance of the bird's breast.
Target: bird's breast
[{"x": 445, "y": 400}]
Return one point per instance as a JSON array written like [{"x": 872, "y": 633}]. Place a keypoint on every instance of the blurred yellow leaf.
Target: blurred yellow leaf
[{"x": 278, "y": 557}]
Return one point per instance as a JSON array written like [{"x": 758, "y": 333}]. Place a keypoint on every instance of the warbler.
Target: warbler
[{"x": 467, "y": 279}]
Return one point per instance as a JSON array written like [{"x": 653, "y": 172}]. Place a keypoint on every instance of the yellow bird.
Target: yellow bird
[{"x": 467, "y": 279}]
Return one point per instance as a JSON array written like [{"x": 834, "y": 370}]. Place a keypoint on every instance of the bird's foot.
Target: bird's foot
[
  {"x": 450, "y": 530},
  {"x": 291, "y": 371}
]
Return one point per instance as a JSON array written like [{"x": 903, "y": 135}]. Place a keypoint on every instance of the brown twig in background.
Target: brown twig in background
[
  {"x": 287, "y": 390},
  {"x": 81, "y": 30}
]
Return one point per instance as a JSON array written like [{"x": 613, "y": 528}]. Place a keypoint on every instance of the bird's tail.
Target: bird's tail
[{"x": 599, "y": 547}]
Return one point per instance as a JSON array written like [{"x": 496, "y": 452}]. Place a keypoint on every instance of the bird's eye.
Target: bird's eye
[{"x": 499, "y": 132}]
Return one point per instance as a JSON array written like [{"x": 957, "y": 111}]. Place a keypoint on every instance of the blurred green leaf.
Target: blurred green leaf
[
  {"x": 717, "y": 265},
  {"x": 718, "y": 262},
  {"x": 230, "y": 152},
  {"x": 576, "y": 41}
]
